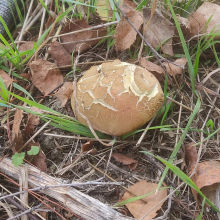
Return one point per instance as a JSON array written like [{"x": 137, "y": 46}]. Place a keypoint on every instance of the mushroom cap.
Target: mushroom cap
[{"x": 117, "y": 97}]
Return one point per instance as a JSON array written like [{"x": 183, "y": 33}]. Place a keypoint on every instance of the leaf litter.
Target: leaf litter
[
  {"x": 140, "y": 208},
  {"x": 81, "y": 36},
  {"x": 46, "y": 77},
  {"x": 159, "y": 33},
  {"x": 206, "y": 176},
  {"x": 125, "y": 160},
  {"x": 6, "y": 78},
  {"x": 125, "y": 35}
]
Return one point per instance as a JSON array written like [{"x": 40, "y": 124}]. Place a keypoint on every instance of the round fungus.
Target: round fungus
[{"x": 117, "y": 97}]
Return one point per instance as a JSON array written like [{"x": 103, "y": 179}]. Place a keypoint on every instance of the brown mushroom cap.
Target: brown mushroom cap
[{"x": 117, "y": 97}]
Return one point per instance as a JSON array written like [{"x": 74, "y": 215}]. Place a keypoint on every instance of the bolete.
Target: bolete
[{"x": 117, "y": 97}]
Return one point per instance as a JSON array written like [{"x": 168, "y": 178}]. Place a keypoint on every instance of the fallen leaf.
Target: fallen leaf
[
  {"x": 85, "y": 35},
  {"x": 26, "y": 75},
  {"x": 44, "y": 79},
  {"x": 87, "y": 146},
  {"x": 207, "y": 179},
  {"x": 6, "y": 78},
  {"x": 197, "y": 23},
  {"x": 37, "y": 160},
  {"x": 125, "y": 160},
  {"x": 139, "y": 208},
  {"x": 185, "y": 26},
  {"x": 190, "y": 156},
  {"x": 201, "y": 16},
  {"x": 207, "y": 174},
  {"x": 153, "y": 68},
  {"x": 65, "y": 92},
  {"x": 125, "y": 35},
  {"x": 159, "y": 30},
  {"x": 174, "y": 70},
  {"x": 17, "y": 139},
  {"x": 59, "y": 54},
  {"x": 33, "y": 121},
  {"x": 27, "y": 45}
]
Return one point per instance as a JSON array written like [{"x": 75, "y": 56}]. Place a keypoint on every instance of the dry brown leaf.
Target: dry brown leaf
[
  {"x": 174, "y": 70},
  {"x": 153, "y": 68},
  {"x": 59, "y": 54},
  {"x": 6, "y": 78},
  {"x": 33, "y": 120},
  {"x": 44, "y": 79},
  {"x": 190, "y": 156},
  {"x": 207, "y": 178},
  {"x": 159, "y": 29},
  {"x": 65, "y": 92},
  {"x": 125, "y": 160},
  {"x": 85, "y": 35},
  {"x": 26, "y": 75},
  {"x": 197, "y": 23},
  {"x": 88, "y": 146},
  {"x": 125, "y": 35},
  {"x": 27, "y": 45},
  {"x": 17, "y": 139},
  {"x": 201, "y": 16},
  {"x": 207, "y": 174},
  {"x": 138, "y": 208},
  {"x": 37, "y": 160}
]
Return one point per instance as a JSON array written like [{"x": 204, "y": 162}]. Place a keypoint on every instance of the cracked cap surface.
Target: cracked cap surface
[{"x": 117, "y": 97}]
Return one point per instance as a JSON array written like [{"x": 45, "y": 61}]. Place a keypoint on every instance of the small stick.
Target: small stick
[
  {"x": 42, "y": 20},
  {"x": 25, "y": 22},
  {"x": 13, "y": 202},
  {"x": 145, "y": 131},
  {"x": 34, "y": 136},
  {"x": 86, "y": 40},
  {"x": 80, "y": 64},
  {"x": 75, "y": 184},
  {"x": 87, "y": 29},
  {"x": 92, "y": 139},
  {"x": 180, "y": 104}
]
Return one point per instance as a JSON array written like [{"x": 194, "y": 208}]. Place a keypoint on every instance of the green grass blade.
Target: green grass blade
[
  {"x": 186, "y": 51},
  {"x": 23, "y": 90},
  {"x": 3, "y": 90},
  {"x": 176, "y": 149}
]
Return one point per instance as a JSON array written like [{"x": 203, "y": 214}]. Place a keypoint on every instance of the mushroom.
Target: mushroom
[{"x": 117, "y": 97}]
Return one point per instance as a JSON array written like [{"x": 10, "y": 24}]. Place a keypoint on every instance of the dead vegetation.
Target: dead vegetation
[{"x": 54, "y": 167}]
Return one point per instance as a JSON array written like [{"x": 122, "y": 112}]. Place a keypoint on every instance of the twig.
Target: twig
[
  {"x": 20, "y": 200},
  {"x": 145, "y": 131},
  {"x": 42, "y": 20},
  {"x": 168, "y": 209},
  {"x": 180, "y": 104},
  {"x": 42, "y": 128},
  {"x": 75, "y": 184},
  {"x": 80, "y": 64},
  {"x": 25, "y": 22},
  {"x": 91, "y": 139},
  {"x": 13, "y": 202},
  {"x": 86, "y": 40},
  {"x": 87, "y": 29}
]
